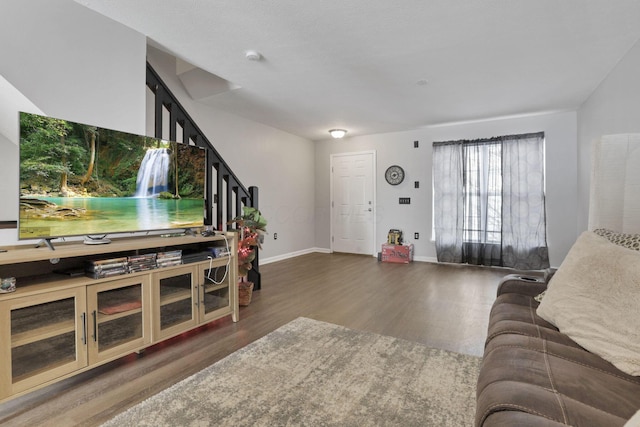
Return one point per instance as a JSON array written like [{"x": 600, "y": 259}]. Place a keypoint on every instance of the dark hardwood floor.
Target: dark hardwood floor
[{"x": 442, "y": 306}]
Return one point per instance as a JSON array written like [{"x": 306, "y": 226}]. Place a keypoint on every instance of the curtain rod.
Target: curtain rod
[{"x": 504, "y": 138}]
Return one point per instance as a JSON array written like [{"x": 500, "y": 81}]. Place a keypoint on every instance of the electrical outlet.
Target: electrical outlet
[
  {"x": 416, "y": 184},
  {"x": 275, "y": 236},
  {"x": 416, "y": 236},
  {"x": 405, "y": 200},
  {"x": 415, "y": 144}
]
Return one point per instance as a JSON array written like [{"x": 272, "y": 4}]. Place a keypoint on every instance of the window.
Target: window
[
  {"x": 482, "y": 191},
  {"x": 488, "y": 201}
]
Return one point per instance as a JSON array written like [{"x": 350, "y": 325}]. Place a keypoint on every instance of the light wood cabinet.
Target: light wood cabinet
[
  {"x": 192, "y": 295},
  {"x": 175, "y": 296},
  {"x": 43, "y": 338},
  {"x": 119, "y": 317},
  {"x": 215, "y": 291},
  {"x": 56, "y": 325}
]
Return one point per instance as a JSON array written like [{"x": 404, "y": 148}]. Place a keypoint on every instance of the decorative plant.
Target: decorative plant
[{"x": 251, "y": 226}]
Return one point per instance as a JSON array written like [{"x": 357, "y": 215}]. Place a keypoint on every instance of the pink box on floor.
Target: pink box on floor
[{"x": 397, "y": 253}]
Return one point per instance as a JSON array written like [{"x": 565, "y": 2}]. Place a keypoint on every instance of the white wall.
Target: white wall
[
  {"x": 66, "y": 61},
  {"x": 614, "y": 107},
  {"x": 63, "y": 60},
  {"x": 12, "y": 101},
  {"x": 73, "y": 63},
  {"x": 281, "y": 165},
  {"x": 398, "y": 148}
]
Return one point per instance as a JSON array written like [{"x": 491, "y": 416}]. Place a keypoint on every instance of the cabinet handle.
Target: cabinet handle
[
  {"x": 83, "y": 316},
  {"x": 197, "y": 303},
  {"x": 95, "y": 326}
]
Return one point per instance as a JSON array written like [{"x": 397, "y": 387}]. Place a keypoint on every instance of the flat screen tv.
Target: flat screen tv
[{"x": 82, "y": 180}]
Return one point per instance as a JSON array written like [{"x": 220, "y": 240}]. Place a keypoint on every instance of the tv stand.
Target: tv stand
[
  {"x": 47, "y": 243},
  {"x": 59, "y": 322}
]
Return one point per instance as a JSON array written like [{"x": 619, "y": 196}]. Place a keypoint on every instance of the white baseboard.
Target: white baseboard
[
  {"x": 324, "y": 251},
  {"x": 292, "y": 255},
  {"x": 425, "y": 259}
]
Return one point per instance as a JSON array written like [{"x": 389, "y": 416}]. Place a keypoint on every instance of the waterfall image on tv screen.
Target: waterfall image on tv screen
[{"x": 77, "y": 179}]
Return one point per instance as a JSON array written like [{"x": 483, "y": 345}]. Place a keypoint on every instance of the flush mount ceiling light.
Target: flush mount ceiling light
[
  {"x": 338, "y": 133},
  {"x": 253, "y": 55}
]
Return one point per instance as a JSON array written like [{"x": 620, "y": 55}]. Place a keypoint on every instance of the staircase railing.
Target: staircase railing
[{"x": 225, "y": 193}]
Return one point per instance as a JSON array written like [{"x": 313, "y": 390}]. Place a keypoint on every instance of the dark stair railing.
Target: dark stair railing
[{"x": 230, "y": 195}]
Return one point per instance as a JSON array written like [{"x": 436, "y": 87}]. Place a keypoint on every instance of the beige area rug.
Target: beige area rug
[{"x": 311, "y": 373}]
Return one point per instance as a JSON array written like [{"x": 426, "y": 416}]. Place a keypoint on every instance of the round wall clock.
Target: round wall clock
[{"x": 394, "y": 175}]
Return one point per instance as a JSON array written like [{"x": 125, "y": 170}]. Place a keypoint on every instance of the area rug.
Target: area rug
[{"x": 312, "y": 373}]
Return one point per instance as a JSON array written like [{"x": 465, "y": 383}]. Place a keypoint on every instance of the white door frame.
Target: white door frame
[{"x": 373, "y": 248}]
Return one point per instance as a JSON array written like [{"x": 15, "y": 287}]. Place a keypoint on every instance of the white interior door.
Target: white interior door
[{"x": 352, "y": 202}]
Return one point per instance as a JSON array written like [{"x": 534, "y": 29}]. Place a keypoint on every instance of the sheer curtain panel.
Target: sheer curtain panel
[
  {"x": 524, "y": 235},
  {"x": 448, "y": 204},
  {"x": 489, "y": 206}
]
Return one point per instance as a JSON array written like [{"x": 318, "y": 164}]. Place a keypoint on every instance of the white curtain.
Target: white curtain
[
  {"x": 448, "y": 204},
  {"x": 615, "y": 184},
  {"x": 524, "y": 236},
  {"x": 466, "y": 213}
]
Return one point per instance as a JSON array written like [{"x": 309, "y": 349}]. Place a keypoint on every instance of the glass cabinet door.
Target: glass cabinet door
[
  {"x": 119, "y": 318},
  {"x": 175, "y": 296},
  {"x": 215, "y": 298},
  {"x": 43, "y": 338}
]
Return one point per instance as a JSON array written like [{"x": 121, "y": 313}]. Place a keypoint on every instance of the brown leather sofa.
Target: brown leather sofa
[{"x": 533, "y": 375}]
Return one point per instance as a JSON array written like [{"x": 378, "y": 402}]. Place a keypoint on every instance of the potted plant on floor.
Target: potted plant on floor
[{"x": 251, "y": 226}]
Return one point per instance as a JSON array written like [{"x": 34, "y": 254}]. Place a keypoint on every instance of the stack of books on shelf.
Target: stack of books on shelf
[
  {"x": 166, "y": 259},
  {"x": 107, "y": 267},
  {"x": 142, "y": 262}
]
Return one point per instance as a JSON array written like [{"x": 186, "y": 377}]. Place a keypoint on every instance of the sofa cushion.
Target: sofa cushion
[
  {"x": 522, "y": 285},
  {"x": 525, "y": 375},
  {"x": 516, "y": 314},
  {"x": 532, "y": 375},
  {"x": 594, "y": 297}
]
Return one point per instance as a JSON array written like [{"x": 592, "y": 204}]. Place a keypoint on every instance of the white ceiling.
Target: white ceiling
[{"x": 358, "y": 64}]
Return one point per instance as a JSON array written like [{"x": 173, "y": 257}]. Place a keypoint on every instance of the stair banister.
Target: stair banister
[{"x": 237, "y": 195}]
